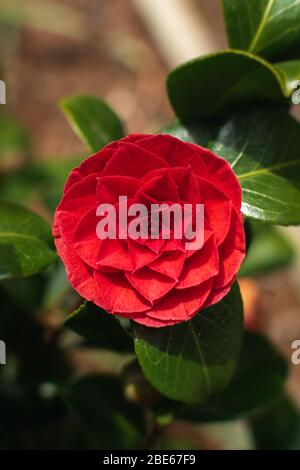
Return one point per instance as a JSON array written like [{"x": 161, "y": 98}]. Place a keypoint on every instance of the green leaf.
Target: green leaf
[
  {"x": 191, "y": 361},
  {"x": 92, "y": 120},
  {"x": 263, "y": 149},
  {"x": 278, "y": 426},
  {"x": 99, "y": 327},
  {"x": 24, "y": 242},
  {"x": 202, "y": 133},
  {"x": 258, "y": 380},
  {"x": 291, "y": 74},
  {"x": 99, "y": 408},
  {"x": 270, "y": 28},
  {"x": 214, "y": 85},
  {"x": 269, "y": 250}
]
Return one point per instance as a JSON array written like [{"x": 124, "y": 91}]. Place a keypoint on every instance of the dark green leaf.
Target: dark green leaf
[
  {"x": 92, "y": 120},
  {"x": 99, "y": 327},
  {"x": 258, "y": 380},
  {"x": 193, "y": 360},
  {"x": 201, "y": 133},
  {"x": 278, "y": 426},
  {"x": 24, "y": 242},
  {"x": 214, "y": 85},
  {"x": 270, "y": 28},
  {"x": 263, "y": 149},
  {"x": 99, "y": 408},
  {"x": 270, "y": 250}
]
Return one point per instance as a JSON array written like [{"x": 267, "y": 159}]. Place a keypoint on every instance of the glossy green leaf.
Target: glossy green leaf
[
  {"x": 202, "y": 133},
  {"x": 100, "y": 410},
  {"x": 191, "y": 361},
  {"x": 270, "y": 28},
  {"x": 269, "y": 250},
  {"x": 214, "y": 85},
  {"x": 263, "y": 150},
  {"x": 92, "y": 120},
  {"x": 257, "y": 382},
  {"x": 99, "y": 327},
  {"x": 262, "y": 147},
  {"x": 24, "y": 242}
]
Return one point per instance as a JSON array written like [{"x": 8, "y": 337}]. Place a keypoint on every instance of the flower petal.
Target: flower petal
[
  {"x": 201, "y": 266},
  {"x": 131, "y": 160},
  {"x": 109, "y": 188},
  {"x": 217, "y": 209},
  {"x": 232, "y": 252},
  {"x": 77, "y": 201},
  {"x": 92, "y": 165},
  {"x": 170, "y": 264},
  {"x": 79, "y": 274},
  {"x": 114, "y": 254},
  {"x": 116, "y": 294},
  {"x": 174, "y": 151},
  {"x": 160, "y": 189},
  {"x": 141, "y": 255},
  {"x": 149, "y": 284},
  {"x": 219, "y": 172},
  {"x": 84, "y": 240},
  {"x": 181, "y": 305}
]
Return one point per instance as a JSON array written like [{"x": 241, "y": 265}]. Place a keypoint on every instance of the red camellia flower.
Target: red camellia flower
[{"x": 153, "y": 282}]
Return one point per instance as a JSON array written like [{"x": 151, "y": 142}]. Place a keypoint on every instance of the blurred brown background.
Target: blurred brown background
[{"x": 111, "y": 53}]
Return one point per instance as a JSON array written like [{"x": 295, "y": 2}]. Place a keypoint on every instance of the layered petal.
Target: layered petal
[
  {"x": 131, "y": 160},
  {"x": 232, "y": 252},
  {"x": 180, "y": 305},
  {"x": 201, "y": 266},
  {"x": 151, "y": 285},
  {"x": 116, "y": 295},
  {"x": 156, "y": 281}
]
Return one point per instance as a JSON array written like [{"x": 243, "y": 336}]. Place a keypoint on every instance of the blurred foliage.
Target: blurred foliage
[
  {"x": 277, "y": 426},
  {"x": 269, "y": 250},
  {"x": 45, "y": 14}
]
